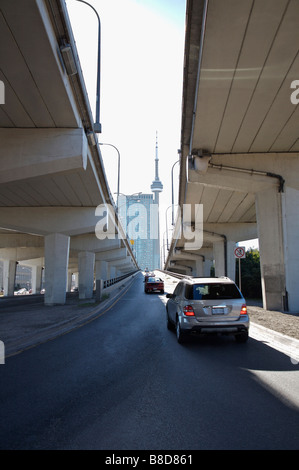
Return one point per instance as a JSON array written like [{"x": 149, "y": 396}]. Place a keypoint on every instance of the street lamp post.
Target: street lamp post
[
  {"x": 172, "y": 195},
  {"x": 97, "y": 124},
  {"x": 167, "y": 226},
  {"x": 118, "y": 173}
]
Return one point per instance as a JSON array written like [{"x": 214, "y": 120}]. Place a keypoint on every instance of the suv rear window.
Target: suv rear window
[{"x": 212, "y": 291}]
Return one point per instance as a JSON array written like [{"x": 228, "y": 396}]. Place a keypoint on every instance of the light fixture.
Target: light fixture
[
  {"x": 91, "y": 138},
  {"x": 201, "y": 159},
  {"x": 68, "y": 59}
]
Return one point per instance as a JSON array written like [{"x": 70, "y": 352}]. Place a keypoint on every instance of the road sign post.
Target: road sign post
[{"x": 239, "y": 254}]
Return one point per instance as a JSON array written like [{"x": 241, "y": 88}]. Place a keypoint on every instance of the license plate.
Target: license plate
[{"x": 217, "y": 311}]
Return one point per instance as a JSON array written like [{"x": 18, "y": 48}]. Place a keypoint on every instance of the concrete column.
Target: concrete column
[
  {"x": 56, "y": 267},
  {"x": 101, "y": 276},
  {"x": 199, "y": 267},
  {"x": 108, "y": 271},
  {"x": 231, "y": 260},
  {"x": 86, "y": 261},
  {"x": 218, "y": 252},
  {"x": 36, "y": 279},
  {"x": 278, "y": 228},
  {"x": 76, "y": 279},
  {"x": 69, "y": 280},
  {"x": 9, "y": 275},
  {"x": 207, "y": 267},
  {"x": 271, "y": 247},
  {"x": 101, "y": 270},
  {"x": 290, "y": 218},
  {"x": 112, "y": 272}
]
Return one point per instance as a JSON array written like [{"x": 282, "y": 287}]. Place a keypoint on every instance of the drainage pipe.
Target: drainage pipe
[{"x": 252, "y": 172}]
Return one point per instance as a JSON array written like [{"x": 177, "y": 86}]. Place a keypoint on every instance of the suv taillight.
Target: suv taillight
[
  {"x": 243, "y": 310},
  {"x": 188, "y": 311}
]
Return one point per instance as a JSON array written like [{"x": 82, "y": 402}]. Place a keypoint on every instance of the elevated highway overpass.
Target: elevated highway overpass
[
  {"x": 239, "y": 161},
  {"x": 52, "y": 177}
]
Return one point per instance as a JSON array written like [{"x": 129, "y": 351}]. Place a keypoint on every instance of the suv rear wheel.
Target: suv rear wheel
[
  {"x": 168, "y": 322},
  {"x": 180, "y": 336},
  {"x": 242, "y": 337}
]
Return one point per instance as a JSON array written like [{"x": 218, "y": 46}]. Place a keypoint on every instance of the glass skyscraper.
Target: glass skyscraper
[{"x": 138, "y": 216}]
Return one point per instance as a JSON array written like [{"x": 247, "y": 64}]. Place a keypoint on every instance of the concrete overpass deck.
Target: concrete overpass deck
[
  {"x": 52, "y": 177},
  {"x": 239, "y": 143}
]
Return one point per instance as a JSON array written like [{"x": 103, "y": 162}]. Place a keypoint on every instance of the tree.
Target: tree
[{"x": 250, "y": 274}]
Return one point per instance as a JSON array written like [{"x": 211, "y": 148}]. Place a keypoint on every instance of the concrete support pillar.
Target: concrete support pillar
[
  {"x": 36, "y": 279},
  {"x": 231, "y": 260},
  {"x": 76, "y": 279},
  {"x": 218, "y": 252},
  {"x": 101, "y": 270},
  {"x": 199, "y": 267},
  {"x": 86, "y": 261},
  {"x": 278, "y": 228},
  {"x": 271, "y": 246},
  {"x": 101, "y": 276},
  {"x": 111, "y": 272},
  {"x": 290, "y": 218},
  {"x": 9, "y": 275},
  {"x": 69, "y": 280},
  {"x": 207, "y": 267},
  {"x": 56, "y": 266}
]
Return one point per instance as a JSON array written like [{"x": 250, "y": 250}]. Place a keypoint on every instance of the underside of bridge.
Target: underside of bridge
[
  {"x": 239, "y": 161},
  {"x": 53, "y": 187}
]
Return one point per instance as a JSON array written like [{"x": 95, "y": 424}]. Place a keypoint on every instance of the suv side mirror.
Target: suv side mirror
[{"x": 170, "y": 296}]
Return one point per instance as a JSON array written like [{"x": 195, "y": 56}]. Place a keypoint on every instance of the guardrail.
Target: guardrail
[
  {"x": 177, "y": 275},
  {"x": 115, "y": 280}
]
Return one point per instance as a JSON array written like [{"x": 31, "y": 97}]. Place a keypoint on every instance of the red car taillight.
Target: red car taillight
[
  {"x": 243, "y": 310},
  {"x": 188, "y": 311}
]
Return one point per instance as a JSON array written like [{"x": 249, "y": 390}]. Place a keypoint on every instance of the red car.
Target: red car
[{"x": 153, "y": 284}]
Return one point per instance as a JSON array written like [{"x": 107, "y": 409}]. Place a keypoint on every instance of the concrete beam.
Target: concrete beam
[
  {"x": 14, "y": 240},
  {"x": 185, "y": 269},
  {"x": 30, "y": 153},
  {"x": 283, "y": 164},
  {"x": 112, "y": 255},
  {"x": 234, "y": 231},
  {"x": 46, "y": 220},
  {"x": 225, "y": 179},
  {"x": 121, "y": 262},
  {"x": 21, "y": 254},
  {"x": 89, "y": 242}
]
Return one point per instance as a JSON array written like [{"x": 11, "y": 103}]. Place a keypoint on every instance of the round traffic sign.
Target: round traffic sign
[{"x": 239, "y": 252}]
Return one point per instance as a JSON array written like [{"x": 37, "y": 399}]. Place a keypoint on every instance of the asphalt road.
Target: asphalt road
[{"x": 123, "y": 382}]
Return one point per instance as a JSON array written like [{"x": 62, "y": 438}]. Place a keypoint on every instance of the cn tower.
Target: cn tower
[{"x": 156, "y": 188}]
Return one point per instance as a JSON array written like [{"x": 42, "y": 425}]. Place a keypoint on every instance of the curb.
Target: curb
[{"x": 283, "y": 343}]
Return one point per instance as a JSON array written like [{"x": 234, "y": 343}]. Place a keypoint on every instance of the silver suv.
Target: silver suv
[{"x": 207, "y": 305}]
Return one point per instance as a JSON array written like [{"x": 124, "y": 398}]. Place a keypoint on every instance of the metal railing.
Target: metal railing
[{"x": 115, "y": 280}]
